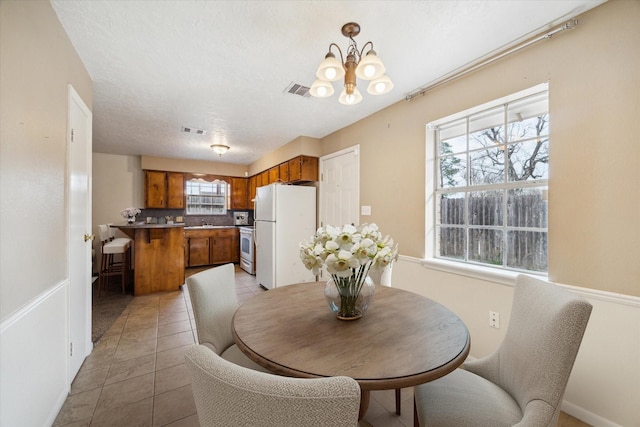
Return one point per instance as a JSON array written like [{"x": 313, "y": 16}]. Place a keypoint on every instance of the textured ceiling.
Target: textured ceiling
[{"x": 224, "y": 66}]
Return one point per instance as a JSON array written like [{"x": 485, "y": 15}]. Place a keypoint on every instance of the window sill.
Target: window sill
[{"x": 503, "y": 277}]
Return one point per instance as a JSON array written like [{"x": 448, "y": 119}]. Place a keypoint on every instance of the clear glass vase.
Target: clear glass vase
[{"x": 348, "y": 299}]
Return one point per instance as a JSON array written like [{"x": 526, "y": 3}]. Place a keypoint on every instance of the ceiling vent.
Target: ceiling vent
[
  {"x": 193, "y": 130},
  {"x": 298, "y": 89}
]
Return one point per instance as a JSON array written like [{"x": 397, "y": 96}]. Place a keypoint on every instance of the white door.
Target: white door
[
  {"x": 79, "y": 139},
  {"x": 340, "y": 187}
]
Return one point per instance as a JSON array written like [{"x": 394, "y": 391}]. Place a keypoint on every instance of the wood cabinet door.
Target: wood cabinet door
[
  {"x": 221, "y": 249},
  {"x": 265, "y": 177},
  {"x": 198, "y": 251},
  {"x": 303, "y": 168},
  {"x": 274, "y": 174},
  {"x": 284, "y": 171},
  {"x": 175, "y": 190},
  {"x": 239, "y": 193},
  {"x": 251, "y": 190},
  {"x": 155, "y": 189}
]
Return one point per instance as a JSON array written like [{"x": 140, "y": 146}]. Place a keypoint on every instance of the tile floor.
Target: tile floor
[{"x": 136, "y": 375}]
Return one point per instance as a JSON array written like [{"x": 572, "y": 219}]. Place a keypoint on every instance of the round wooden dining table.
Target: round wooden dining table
[{"x": 402, "y": 340}]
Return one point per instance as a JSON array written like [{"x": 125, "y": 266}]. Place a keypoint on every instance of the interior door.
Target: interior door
[
  {"x": 340, "y": 187},
  {"x": 79, "y": 135}
]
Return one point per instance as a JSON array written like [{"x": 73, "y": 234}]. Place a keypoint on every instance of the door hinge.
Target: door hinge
[
  {"x": 72, "y": 134},
  {"x": 70, "y": 349}
]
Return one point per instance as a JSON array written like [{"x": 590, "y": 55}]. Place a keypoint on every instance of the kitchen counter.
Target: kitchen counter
[
  {"x": 135, "y": 225},
  {"x": 208, "y": 227},
  {"x": 158, "y": 256}
]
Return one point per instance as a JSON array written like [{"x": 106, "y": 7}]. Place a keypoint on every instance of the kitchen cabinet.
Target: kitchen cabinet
[
  {"x": 251, "y": 191},
  {"x": 198, "y": 251},
  {"x": 303, "y": 168},
  {"x": 239, "y": 197},
  {"x": 284, "y": 171},
  {"x": 265, "y": 177},
  {"x": 163, "y": 190},
  {"x": 207, "y": 246},
  {"x": 222, "y": 248},
  {"x": 274, "y": 174}
]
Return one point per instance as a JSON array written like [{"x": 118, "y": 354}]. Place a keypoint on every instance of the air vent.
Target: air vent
[
  {"x": 193, "y": 130},
  {"x": 298, "y": 89}
]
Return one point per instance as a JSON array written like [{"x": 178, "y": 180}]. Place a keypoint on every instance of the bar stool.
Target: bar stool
[{"x": 109, "y": 266}]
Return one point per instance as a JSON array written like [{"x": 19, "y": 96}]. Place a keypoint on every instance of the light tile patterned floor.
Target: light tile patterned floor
[{"x": 136, "y": 375}]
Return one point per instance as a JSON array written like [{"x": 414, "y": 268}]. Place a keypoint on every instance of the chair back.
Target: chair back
[
  {"x": 381, "y": 276},
  {"x": 103, "y": 233},
  {"x": 228, "y": 395},
  {"x": 214, "y": 301},
  {"x": 534, "y": 361}
]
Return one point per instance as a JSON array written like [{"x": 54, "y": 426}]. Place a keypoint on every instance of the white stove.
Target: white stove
[{"x": 247, "y": 250}]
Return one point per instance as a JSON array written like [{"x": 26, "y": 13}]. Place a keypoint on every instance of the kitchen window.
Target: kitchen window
[
  {"x": 489, "y": 168},
  {"x": 207, "y": 198}
]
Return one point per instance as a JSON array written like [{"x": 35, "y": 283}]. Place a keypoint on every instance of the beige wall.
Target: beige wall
[
  {"x": 118, "y": 183},
  {"x": 193, "y": 166},
  {"x": 37, "y": 61},
  {"x": 594, "y": 77}
]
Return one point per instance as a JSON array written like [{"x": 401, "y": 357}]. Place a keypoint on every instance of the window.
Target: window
[
  {"x": 207, "y": 198},
  {"x": 490, "y": 166}
]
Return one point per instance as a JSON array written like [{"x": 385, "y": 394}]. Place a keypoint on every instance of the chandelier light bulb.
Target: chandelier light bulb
[
  {"x": 330, "y": 73},
  {"x": 369, "y": 71}
]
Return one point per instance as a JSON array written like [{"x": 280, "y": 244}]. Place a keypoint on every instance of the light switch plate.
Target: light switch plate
[{"x": 365, "y": 210}]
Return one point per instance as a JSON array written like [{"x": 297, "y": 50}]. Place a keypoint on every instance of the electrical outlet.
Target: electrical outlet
[{"x": 494, "y": 319}]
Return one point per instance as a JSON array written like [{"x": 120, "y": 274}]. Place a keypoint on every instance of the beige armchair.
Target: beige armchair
[
  {"x": 228, "y": 395},
  {"x": 214, "y": 301},
  {"x": 523, "y": 382}
]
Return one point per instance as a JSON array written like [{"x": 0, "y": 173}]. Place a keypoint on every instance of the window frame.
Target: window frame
[{"x": 499, "y": 273}]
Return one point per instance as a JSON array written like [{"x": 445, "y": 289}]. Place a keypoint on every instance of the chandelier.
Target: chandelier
[{"x": 366, "y": 67}]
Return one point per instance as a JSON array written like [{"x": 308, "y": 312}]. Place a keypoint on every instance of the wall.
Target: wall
[
  {"x": 594, "y": 77},
  {"x": 37, "y": 61},
  {"x": 111, "y": 172},
  {"x": 193, "y": 166}
]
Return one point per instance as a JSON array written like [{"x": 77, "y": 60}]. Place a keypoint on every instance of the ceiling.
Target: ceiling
[{"x": 225, "y": 66}]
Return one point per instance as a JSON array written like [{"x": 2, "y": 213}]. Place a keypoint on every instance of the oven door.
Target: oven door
[{"x": 246, "y": 245}]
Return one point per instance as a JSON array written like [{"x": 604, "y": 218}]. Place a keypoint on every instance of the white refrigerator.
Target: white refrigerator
[{"x": 284, "y": 216}]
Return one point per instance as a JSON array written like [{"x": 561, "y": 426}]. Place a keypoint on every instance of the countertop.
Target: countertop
[
  {"x": 142, "y": 224},
  {"x": 145, "y": 225}
]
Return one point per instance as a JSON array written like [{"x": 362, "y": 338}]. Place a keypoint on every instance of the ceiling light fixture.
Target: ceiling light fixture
[
  {"x": 367, "y": 67},
  {"x": 220, "y": 148}
]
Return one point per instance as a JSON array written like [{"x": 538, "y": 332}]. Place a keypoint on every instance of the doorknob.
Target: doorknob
[{"x": 88, "y": 237}]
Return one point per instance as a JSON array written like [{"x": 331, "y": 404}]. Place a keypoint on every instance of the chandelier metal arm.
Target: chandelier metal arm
[
  {"x": 361, "y": 53},
  {"x": 339, "y": 50}
]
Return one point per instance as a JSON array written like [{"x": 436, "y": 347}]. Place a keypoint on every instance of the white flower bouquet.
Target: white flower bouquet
[
  {"x": 348, "y": 252},
  {"x": 130, "y": 212}
]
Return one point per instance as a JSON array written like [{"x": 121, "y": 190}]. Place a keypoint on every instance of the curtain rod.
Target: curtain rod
[{"x": 569, "y": 25}]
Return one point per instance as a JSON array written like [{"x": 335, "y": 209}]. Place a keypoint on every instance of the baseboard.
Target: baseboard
[{"x": 586, "y": 416}]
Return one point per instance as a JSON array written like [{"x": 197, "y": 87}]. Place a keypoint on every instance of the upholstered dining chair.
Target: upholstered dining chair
[
  {"x": 213, "y": 297},
  {"x": 522, "y": 383},
  {"x": 228, "y": 395},
  {"x": 382, "y": 276}
]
